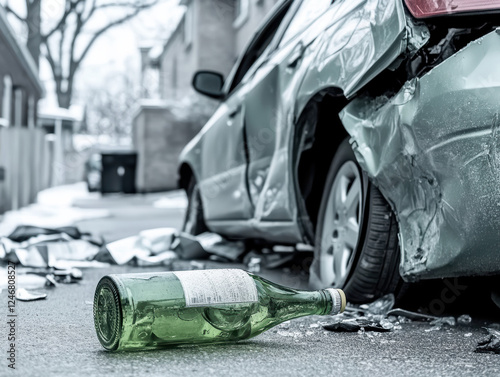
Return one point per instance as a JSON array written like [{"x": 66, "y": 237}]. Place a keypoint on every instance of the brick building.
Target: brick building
[{"x": 210, "y": 36}]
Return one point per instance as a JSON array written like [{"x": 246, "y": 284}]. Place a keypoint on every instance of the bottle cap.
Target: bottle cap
[
  {"x": 338, "y": 300},
  {"x": 107, "y": 313}
]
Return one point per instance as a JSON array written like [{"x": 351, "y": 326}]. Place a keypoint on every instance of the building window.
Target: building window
[
  {"x": 6, "y": 102},
  {"x": 188, "y": 26},
  {"x": 242, "y": 12}
]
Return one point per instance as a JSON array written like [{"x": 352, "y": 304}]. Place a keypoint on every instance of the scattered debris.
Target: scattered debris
[
  {"x": 270, "y": 259},
  {"x": 412, "y": 316},
  {"x": 217, "y": 245},
  {"x": 51, "y": 281},
  {"x": 23, "y": 295},
  {"x": 357, "y": 324},
  {"x": 254, "y": 265},
  {"x": 439, "y": 322},
  {"x": 464, "y": 319},
  {"x": 188, "y": 247},
  {"x": 381, "y": 306},
  {"x": 166, "y": 258},
  {"x": 157, "y": 240},
  {"x": 380, "y": 316},
  {"x": 195, "y": 265},
  {"x": 25, "y": 232},
  {"x": 27, "y": 281},
  {"x": 491, "y": 343},
  {"x": 149, "y": 248},
  {"x": 33, "y": 246},
  {"x": 68, "y": 276},
  {"x": 368, "y": 317},
  {"x": 66, "y": 247},
  {"x": 64, "y": 264},
  {"x": 121, "y": 251}
]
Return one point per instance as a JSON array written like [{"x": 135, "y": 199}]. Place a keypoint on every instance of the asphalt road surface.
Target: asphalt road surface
[{"x": 56, "y": 336}]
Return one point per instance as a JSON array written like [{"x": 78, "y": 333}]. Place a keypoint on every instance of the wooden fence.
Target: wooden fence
[{"x": 26, "y": 160}]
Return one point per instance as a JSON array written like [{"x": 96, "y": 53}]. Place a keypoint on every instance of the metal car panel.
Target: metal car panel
[
  {"x": 434, "y": 152},
  {"x": 364, "y": 38},
  {"x": 222, "y": 170}
]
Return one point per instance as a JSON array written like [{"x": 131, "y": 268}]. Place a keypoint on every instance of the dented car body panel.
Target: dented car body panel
[
  {"x": 434, "y": 152},
  {"x": 256, "y": 197},
  {"x": 439, "y": 170}
]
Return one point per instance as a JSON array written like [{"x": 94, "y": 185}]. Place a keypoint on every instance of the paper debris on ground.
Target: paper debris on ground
[
  {"x": 149, "y": 248},
  {"x": 491, "y": 343},
  {"x": 23, "y": 295}
]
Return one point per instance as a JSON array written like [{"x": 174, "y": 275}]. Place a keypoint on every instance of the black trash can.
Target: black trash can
[{"x": 118, "y": 172}]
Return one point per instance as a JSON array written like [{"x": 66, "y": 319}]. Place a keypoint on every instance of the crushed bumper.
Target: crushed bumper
[{"x": 434, "y": 152}]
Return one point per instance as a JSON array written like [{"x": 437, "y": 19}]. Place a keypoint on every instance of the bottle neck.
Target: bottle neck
[
  {"x": 338, "y": 300},
  {"x": 303, "y": 303},
  {"x": 327, "y": 301}
]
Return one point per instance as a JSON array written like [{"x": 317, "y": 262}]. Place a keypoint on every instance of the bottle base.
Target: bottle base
[{"x": 107, "y": 313}]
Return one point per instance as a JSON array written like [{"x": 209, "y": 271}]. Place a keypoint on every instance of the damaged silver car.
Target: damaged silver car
[{"x": 367, "y": 128}]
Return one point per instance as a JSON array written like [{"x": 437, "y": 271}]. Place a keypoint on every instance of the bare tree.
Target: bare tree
[
  {"x": 111, "y": 108},
  {"x": 66, "y": 41}
]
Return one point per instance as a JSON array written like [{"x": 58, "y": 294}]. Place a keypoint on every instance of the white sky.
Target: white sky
[{"x": 116, "y": 51}]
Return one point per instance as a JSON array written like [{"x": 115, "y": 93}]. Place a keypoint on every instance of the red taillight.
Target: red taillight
[{"x": 429, "y": 8}]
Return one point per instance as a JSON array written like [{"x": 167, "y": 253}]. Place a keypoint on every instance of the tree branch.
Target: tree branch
[
  {"x": 11, "y": 11},
  {"x": 91, "y": 11},
  {"x": 67, "y": 12},
  {"x": 128, "y": 4},
  {"x": 52, "y": 62},
  {"x": 73, "y": 66},
  {"x": 117, "y": 22},
  {"x": 30, "y": 3}
]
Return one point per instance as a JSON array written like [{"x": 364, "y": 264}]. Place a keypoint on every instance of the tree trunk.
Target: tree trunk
[
  {"x": 64, "y": 99},
  {"x": 33, "y": 21}
]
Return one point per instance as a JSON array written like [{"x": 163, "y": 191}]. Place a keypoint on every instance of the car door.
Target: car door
[
  {"x": 224, "y": 155},
  {"x": 268, "y": 119},
  {"x": 223, "y": 164}
]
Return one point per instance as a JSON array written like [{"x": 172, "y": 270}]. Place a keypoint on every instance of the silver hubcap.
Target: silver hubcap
[{"x": 341, "y": 225}]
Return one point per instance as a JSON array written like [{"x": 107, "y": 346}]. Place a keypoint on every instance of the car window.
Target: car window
[
  {"x": 259, "y": 44},
  {"x": 308, "y": 11}
]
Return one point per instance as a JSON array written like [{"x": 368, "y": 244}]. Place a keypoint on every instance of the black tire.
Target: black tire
[
  {"x": 373, "y": 265},
  {"x": 194, "y": 222}
]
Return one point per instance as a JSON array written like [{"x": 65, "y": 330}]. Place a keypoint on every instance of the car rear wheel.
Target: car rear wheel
[
  {"x": 356, "y": 244},
  {"x": 194, "y": 222}
]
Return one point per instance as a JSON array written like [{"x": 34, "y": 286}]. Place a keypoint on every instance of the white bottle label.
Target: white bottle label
[{"x": 215, "y": 287}]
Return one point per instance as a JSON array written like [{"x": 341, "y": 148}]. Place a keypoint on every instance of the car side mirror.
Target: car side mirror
[{"x": 209, "y": 83}]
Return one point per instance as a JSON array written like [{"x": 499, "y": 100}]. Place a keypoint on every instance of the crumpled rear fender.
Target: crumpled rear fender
[
  {"x": 365, "y": 37},
  {"x": 434, "y": 152}
]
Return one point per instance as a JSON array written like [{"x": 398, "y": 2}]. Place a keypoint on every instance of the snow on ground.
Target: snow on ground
[
  {"x": 177, "y": 199},
  {"x": 65, "y": 196},
  {"x": 54, "y": 208}
]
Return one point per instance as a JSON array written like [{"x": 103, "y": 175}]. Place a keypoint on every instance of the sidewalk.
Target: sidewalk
[
  {"x": 113, "y": 216},
  {"x": 130, "y": 214}
]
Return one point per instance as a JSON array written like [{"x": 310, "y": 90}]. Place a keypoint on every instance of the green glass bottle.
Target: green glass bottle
[{"x": 154, "y": 310}]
